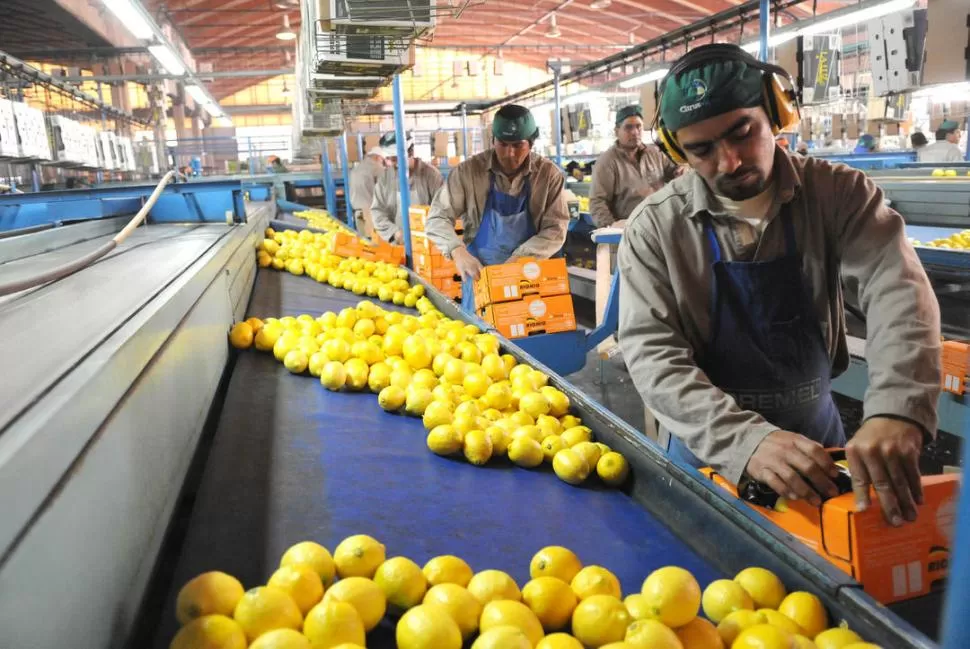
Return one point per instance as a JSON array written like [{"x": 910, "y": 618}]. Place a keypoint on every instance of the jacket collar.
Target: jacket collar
[
  {"x": 787, "y": 179},
  {"x": 493, "y": 164}
]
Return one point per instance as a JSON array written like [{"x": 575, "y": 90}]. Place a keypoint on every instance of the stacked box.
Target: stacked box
[
  {"x": 526, "y": 297},
  {"x": 956, "y": 366},
  {"x": 429, "y": 263},
  {"x": 350, "y": 245}
]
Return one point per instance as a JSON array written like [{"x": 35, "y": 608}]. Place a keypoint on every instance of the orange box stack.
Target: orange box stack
[
  {"x": 350, "y": 245},
  {"x": 526, "y": 297},
  {"x": 531, "y": 315},
  {"x": 892, "y": 563},
  {"x": 429, "y": 263},
  {"x": 956, "y": 366}
]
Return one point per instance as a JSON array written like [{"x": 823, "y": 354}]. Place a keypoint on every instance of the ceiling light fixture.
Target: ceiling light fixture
[
  {"x": 129, "y": 16},
  {"x": 653, "y": 75},
  {"x": 287, "y": 33},
  {"x": 578, "y": 98},
  {"x": 167, "y": 58},
  {"x": 198, "y": 94},
  {"x": 600, "y": 4},
  {"x": 553, "y": 28}
]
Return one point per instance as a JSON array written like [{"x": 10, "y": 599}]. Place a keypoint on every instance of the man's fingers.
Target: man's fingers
[
  {"x": 900, "y": 484},
  {"x": 770, "y": 478},
  {"x": 885, "y": 491},
  {"x": 860, "y": 478},
  {"x": 911, "y": 466},
  {"x": 797, "y": 488},
  {"x": 809, "y": 466}
]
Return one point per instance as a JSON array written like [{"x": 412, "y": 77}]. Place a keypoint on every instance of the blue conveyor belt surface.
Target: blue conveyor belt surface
[
  {"x": 926, "y": 233},
  {"x": 291, "y": 461}
]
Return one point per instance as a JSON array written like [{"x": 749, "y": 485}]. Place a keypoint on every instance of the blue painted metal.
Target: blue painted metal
[
  {"x": 404, "y": 187},
  {"x": 871, "y": 160},
  {"x": 179, "y": 203},
  {"x": 345, "y": 174},
  {"x": 329, "y": 188},
  {"x": 956, "y": 612},
  {"x": 764, "y": 26},
  {"x": 464, "y": 130},
  {"x": 556, "y": 117},
  {"x": 583, "y": 223}
]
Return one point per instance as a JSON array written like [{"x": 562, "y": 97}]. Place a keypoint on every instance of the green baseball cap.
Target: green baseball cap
[
  {"x": 949, "y": 125},
  {"x": 514, "y": 123},
  {"x": 709, "y": 90},
  {"x": 628, "y": 111}
]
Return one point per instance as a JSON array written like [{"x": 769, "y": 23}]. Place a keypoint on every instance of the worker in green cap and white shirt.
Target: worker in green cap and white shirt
[
  {"x": 731, "y": 298},
  {"x": 628, "y": 171},
  {"x": 947, "y": 145},
  {"x": 509, "y": 198},
  {"x": 424, "y": 181}
]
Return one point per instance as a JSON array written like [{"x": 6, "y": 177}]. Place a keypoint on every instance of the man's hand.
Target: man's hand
[
  {"x": 466, "y": 262},
  {"x": 794, "y": 466},
  {"x": 884, "y": 453},
  {"x": 397, "y": 238}
]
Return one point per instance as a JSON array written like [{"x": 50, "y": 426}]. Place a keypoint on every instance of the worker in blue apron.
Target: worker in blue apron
[{"x": 740, "y": 372}]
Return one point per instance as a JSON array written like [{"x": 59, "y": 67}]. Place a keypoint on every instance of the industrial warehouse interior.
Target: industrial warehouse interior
[{"x": 484, "y": 324}]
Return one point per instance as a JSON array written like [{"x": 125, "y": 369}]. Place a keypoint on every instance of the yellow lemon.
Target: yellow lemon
[
  {"x": 699, "y": 634},
  {"x": 862, "y": 645},
  {"x": 402, "y": 581},
  {"x": 266, "y": 338},
  {"x": 652, "y": 634},
  {"x": 558, "y": 401},
  {"x": 488, "y": 344},
  {"x": 415, "y": 351},
  {"x": 425, "y": 378},
  {"x": 836, "y": 638},
  {"x": 437, "y": 413},
  {"x": 461, "y": 605},
  {"x": 723, "y": 597},
  {"x": 502, "y": 637},
  {"x": 731, "y": 627},
  {"x": 401, "y": 377},
  {"x": 440, "y": 361},
  {"x": 447, "y": 569},
  {"x": 637, "y": 605},
  {"x": 265, "y": 608},
  {"x": 358, "y": 556},
  {"x": 284, "y": 344},
  {"x": 764, "y": 636},
  {"x": 534, "y": 404},
  {"x": 509, "y": 361},
  {"x": 301, "y": 582},
  {"x": 498, "y": 396},
  {"x": 555, "y": 561},
  {"x": 599, "y": 620},
  {"x": 559, "y": 641},
  {"x": 333, "y": 623},
  {"x": 316, "y": 363},
  {"x": 494, "y": 368},
  {"x": 499, "y": 613},
  {"x": 210, "y": 632},
  {"x": 314, "y": 555},
  {"x": 477, "y": 447},
  {"x": 612, "y": 468},
  {"x": 391, "y": 398},
  {"x": 454, "y": 370},
  {"x": 241, "y": 335},
  {"x": 357, "y": 371},
  {"x": 520, "y": 418},
  {"x": 570, "y": 421},
  {"x": 476, "y": 384},
  {"x": 525, "y": 451},
  {"x": 417, "y": 401},
  {"x": 445, "y": 440},
  {"x": 529, "y": 431},
  {"x": 595, "y": 580},
  {"x": 570, "y": 466},
  {"x": 364, "y": 595},
  {"x": 576, "y": 434},
  {"x": 427, "y": 627},
  {"x": 337, "y": 350},
  {"x": 551, "y": 444},
  {"x": 281, "y": 639},
  {"x": 764, "y": 587},
  {"x": 590, "y": 452},
  {"x": 673, "y": 595},
  {"x": 211, "y": 593},
  {"x": 379, "y": 377},
  {"x": 774, "y": 618},
  {"x": 538, "y": 379},
  {"x": 464, "y": 423},
  {"x": 333, "y": 375},
  {"x": 552, "y": 600},
  {"x": 807, "y": 611},
  {"x": 500, "y": 441},
  {"x": 490, "y": 585},
  {"x": 801, "y": 642}
]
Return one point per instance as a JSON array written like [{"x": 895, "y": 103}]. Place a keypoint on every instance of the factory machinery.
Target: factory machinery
[{"x": 137, "y": 450}]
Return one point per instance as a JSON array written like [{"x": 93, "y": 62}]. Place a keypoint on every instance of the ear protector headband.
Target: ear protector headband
[{"x": 780, "y": 100}]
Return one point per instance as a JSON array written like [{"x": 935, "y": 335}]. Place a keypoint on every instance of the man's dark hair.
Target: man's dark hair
[
  {"x": 918, "y": 139},
  {"x": 943, "y": 133}
]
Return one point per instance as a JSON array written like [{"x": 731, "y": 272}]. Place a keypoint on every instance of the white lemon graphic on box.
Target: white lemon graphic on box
[{"x": 537, "y": 308}]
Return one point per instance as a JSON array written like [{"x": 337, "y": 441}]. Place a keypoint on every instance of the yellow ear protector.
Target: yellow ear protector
[{"x": 780, "y": 102}]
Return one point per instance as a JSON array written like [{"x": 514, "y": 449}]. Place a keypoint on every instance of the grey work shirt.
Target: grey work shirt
[
  {"x": 363, "y": 180},
  {"x": 940, "y": 151},
  {"x": 465, "y": 193},
  {"x": 844, "y": 231},
  {"x": 619, "y": 182},
  {"x": 424, "y": 180}
]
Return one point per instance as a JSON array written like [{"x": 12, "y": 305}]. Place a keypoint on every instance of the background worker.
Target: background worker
[
  {"x": 510, "y": 201},
  {"x": 628, "y": 171},
  {"x": 423, "y": 181},
  {"x": 731, "y": 302},
  {"x": 947, "y": 145},
  {"x": 363, "y": 180}
]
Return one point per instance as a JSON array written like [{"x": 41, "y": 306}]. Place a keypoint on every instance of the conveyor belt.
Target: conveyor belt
[
  {"x": 74, "y": 314},
  {"x": 291, "y": 461},
  {"x": 926, "y": 233}
]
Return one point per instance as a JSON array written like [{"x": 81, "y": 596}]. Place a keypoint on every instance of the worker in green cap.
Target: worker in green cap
[
  {"x": 731, "y": 298},
  {"x": 510, "y": 201},
  {"x": 628, "y": 171},
  {"x": 947, "y": 145}
]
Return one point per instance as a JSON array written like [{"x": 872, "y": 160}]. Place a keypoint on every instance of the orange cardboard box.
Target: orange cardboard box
[
  {"x": 421, "y": 244},
  {"x": 448, "y": 286},
  {"x": 434, "y": 266},
  {"x": 892, "y": 563},
  {"x": 531, "y": 315},
  {"x": 418, "y": 217},
  {"x": 508, "y": 282},
  {"x": 956, "y": 366}
]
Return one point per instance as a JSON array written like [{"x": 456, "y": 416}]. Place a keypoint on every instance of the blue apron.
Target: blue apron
[
  {"x": 766, "y": 348},
  {"x": 506, "y": 224}
]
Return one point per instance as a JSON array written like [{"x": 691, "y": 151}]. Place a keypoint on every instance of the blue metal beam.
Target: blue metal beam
[
  {"x": 329, "y": 187},
  {"x": 764, "y": 26},
  {"x": 345, "y": 166},
  {"x": 402, "y": 168}
]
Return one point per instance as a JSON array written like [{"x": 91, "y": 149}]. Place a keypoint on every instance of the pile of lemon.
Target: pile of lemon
[
  {"x": 956, "y": 241},
  {"x": 322, "y": 220},
  {"x": 316, "y": 600},
  {"x": 473, "y": 400}
]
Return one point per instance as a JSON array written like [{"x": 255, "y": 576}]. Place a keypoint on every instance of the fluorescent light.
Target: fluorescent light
[
  {"x": 945, "y": 93},
  {"x": 774, "y": 40},
  {"x": 213, "y": 109},
  {"x": 553, "y": 28},
  {"x": 570, "y": 100},
  {"x": 287, "y": 33},
  {"x": 639, "y": 80},
  {"x": 164, "y": 55},
  {"x": 129, "y": 16},
  {"x": 198, "y": 94},
  {"x": 855, "y": 17}
]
